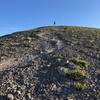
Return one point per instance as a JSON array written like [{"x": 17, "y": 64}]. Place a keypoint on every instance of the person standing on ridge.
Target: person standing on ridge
[{"x": 54, "y": 23}]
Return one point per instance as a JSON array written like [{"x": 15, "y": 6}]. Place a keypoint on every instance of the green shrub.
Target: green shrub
[
  {"x": 80, "y": 62},
  {"x": 80, "y": 86},
  {"x": 76, "y": 73}
]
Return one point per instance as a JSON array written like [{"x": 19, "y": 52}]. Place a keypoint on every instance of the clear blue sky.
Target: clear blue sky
[{"x": 16, "y": 15}]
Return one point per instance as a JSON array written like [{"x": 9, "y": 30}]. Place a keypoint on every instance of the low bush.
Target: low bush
[
  {"x": 76, "y": 73},
  {"x": 80, "y": 62},
  {"x": 80, "y": 86}
]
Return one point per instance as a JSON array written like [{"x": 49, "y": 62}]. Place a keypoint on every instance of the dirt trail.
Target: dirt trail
[
  {"x": 41, "y": 34},
  {"x": 8, "y": 63}
]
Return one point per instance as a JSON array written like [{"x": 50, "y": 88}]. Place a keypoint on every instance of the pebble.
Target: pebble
[
  {"x": 67, "y": 61},
  {"x": 29, "y": 95},
  {"x": 19, "y": 92},
  {"x": 10, "y": 96},
  {"x": 54, "y": 87},
  {"x": 70, "y": 98},
  {"x": 59, "y": 59}
]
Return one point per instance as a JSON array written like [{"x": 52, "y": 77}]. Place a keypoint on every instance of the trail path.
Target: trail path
[{"x": 8, "y": 63}]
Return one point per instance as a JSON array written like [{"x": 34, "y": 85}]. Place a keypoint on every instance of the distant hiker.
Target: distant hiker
[{"x": 54, "y": 23}]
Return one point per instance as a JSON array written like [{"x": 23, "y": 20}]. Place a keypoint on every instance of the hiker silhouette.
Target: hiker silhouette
[{"x": 54, "y": 23}]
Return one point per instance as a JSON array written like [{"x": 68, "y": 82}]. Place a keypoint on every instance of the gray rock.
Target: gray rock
[{"x": 10, "y": 96}]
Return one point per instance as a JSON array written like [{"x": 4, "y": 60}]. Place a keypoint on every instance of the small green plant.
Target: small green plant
[
  {"x": 80, "y": 62},
  {"x": 84, "y": 63},
  {"x": 80, "y": 86},
  {"x": 76, "y": 73},
  {"x": 96, "y": 95}
]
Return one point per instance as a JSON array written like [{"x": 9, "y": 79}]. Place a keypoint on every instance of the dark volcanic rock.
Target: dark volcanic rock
[{"x": 50, "y": 63}]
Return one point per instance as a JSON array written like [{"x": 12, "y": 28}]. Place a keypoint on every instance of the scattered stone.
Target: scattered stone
[
  {"x": 29, "y": 96},
  {"x": 54, "y": 87},
  {"x": 62, "y": 70},
  {"x": 19, "y": 92},
  {"x": 35, "y": 66},
  {"x": 10, "y": 96},
  {"x": 70, "y": 98}
]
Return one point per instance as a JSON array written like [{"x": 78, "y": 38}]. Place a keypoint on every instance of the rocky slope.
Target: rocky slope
[{"x": 50, "y": 63}]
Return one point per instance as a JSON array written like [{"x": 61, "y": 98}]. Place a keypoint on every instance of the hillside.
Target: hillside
[{"x": 50, "y": 63}]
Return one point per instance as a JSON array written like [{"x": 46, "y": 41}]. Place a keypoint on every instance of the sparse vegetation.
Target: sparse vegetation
[
  {"x": 70, "y": 66},
  {"x": 80, "y": 86},
  {"x": 76, "y": 73},
  {"x": 80, "y": 62}
]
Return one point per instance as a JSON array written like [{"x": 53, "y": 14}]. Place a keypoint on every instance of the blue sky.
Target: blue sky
[{"x": 16, "y": 15}]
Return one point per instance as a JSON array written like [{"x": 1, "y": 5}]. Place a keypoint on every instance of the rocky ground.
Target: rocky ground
[{"x": 50, "y": 63}]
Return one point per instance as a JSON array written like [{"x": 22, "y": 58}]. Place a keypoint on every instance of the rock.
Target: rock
[
  {"x": 54, "y": 87},
  {"x": 48, "y": 65},
  {"x": 19, "y": 92},
  {"x": 23, "y": 87},
  {"x": 70, "y": 98},
  {"x": 29, "y": 95},
  {"x": 62, "y": 70},
  {"x": 67, "y": 61},
  {"x": 41, "y": 52},
  {"x": 59, "y": 60},
  {"x": 10, "y": 96}
]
